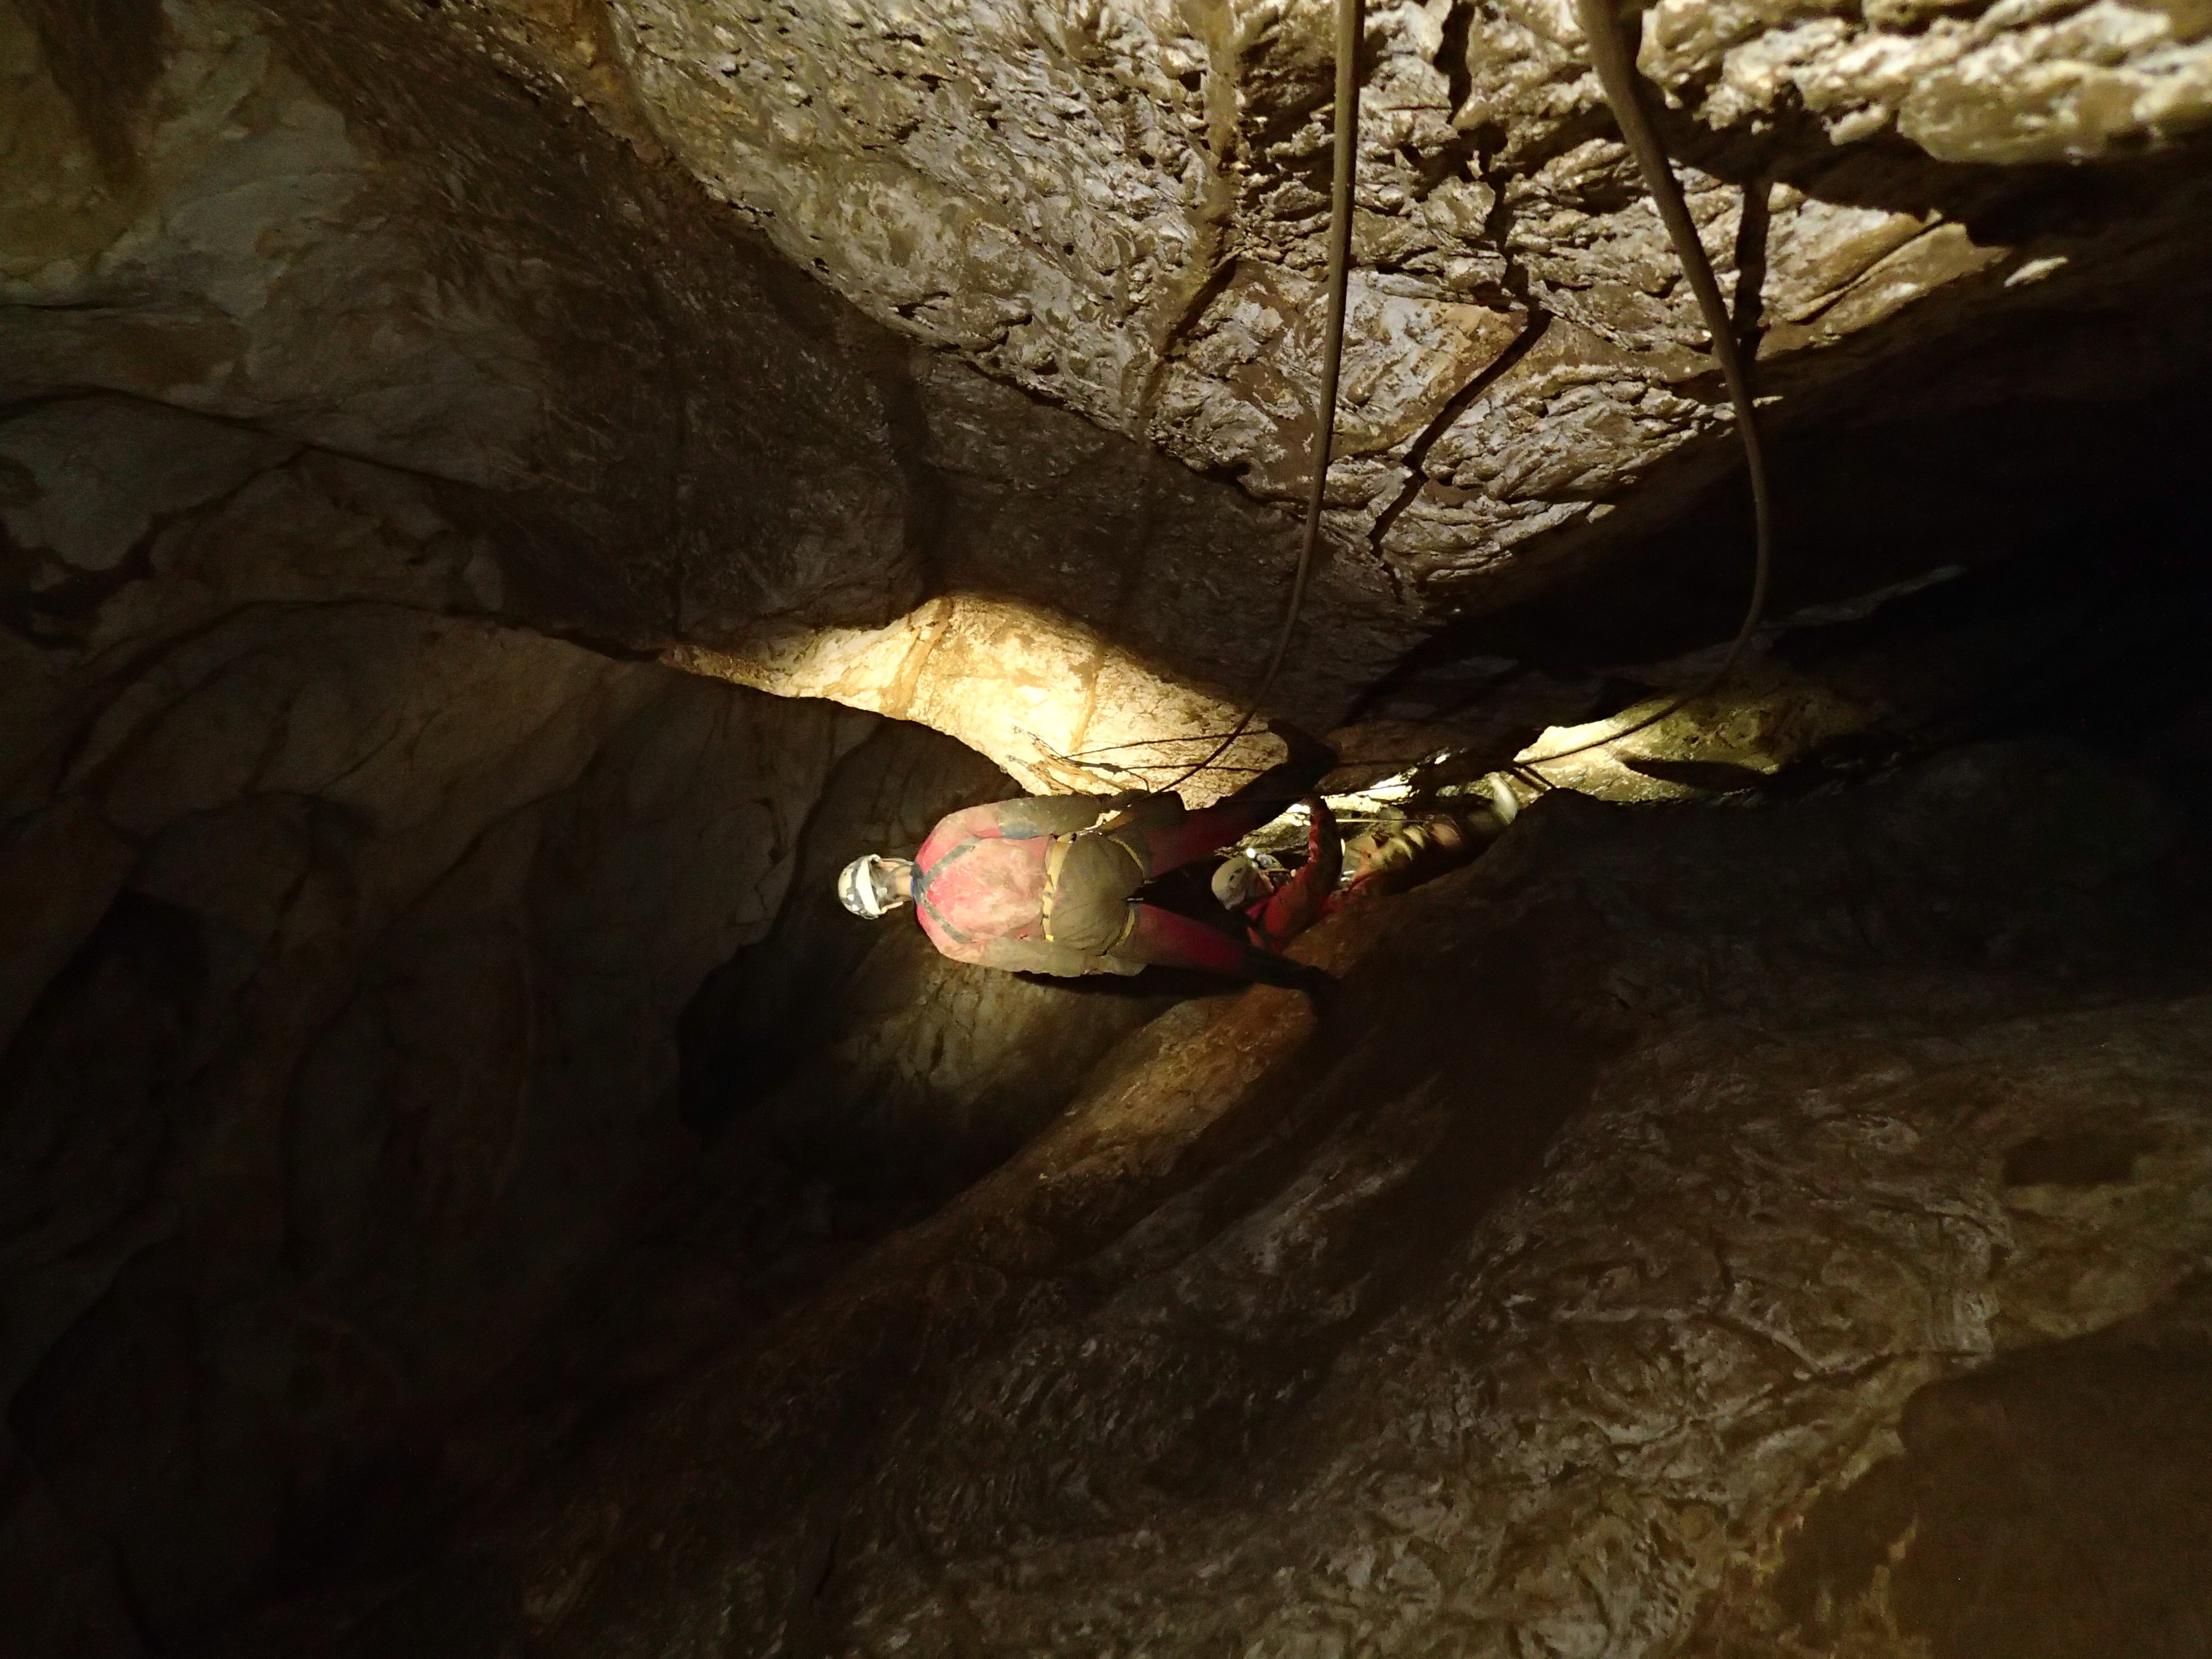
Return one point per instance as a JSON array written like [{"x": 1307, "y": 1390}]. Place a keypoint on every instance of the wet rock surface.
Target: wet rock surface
[
  {"x": 1120, "y": 208},
  {"x": 332, "y": 227},
  {"x": 1628, "y": 1262},
  {"x": 363, "y": 938},
  {"x": 466, "y": 1187},
  {"x": 351, "y": 935}
]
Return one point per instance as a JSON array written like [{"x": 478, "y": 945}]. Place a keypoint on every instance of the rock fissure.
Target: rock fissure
[{"x": 503, "y": 499}]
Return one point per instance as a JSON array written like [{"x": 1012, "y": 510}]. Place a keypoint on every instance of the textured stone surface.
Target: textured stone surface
[
  {"x": 465, "y": 1188},
  {"x": 1062, "y": 709},
  {"x": 1653, "y": 1178},
  {"x": 348, "y": 935},
  {"x": 333, "y": 226},
  {"x": 1120, "y": 208},
  {"x": 339, "y": 227},
  {"x": 342, "y": 1021},
  {"x": 1675, "y": 746},
  {"x": 2012, "y": 83}
]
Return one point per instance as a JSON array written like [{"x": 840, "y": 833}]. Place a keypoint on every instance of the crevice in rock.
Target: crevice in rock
[
  {"x": 487, "y": 484},
  {"x": 1417, "y": 452}
]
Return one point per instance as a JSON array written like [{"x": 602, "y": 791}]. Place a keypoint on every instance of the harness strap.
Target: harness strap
[{"x": 923, "y": 900}]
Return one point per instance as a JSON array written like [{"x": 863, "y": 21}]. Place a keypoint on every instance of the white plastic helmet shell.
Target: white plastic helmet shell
[
  {"x": 1239, "y": 881},
  {"x": 857, "y": 888}
]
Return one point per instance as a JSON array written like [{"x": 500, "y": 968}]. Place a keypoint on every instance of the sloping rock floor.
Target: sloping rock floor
[{"x": 1691, "y": 1230}]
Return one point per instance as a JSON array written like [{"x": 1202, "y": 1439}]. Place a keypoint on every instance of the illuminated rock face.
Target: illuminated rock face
[
  {"x": 1120, "y": 208},
  {"x": 465, "y": 1183},
  {"x": 335, "y": 230},
  {"x": 344, "y": 228},
  {"x": 1062, "y": 709},
  {"x": 1684, "y": 1230},
  {"x": 351, "y": 954}
]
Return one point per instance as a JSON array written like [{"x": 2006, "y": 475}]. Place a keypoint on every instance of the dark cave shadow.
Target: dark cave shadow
[
  {"x": 2082, "y": 496},
  {"x": 1184, "y": 984},
  {"x": 1506, "y": 1039},
  {"x": 2095, "y": 634},
  {"x": 1681, "y": 587},
  {"x": 2057, "y": 1504}
]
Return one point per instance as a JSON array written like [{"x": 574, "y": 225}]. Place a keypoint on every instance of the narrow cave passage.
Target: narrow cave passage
[{"x": 501, "y": 501}]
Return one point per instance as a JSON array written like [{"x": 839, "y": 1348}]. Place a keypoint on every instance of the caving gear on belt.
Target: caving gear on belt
[
  {"x": 1089, "y": 878},
  {"x": 1038, "y": 885}
]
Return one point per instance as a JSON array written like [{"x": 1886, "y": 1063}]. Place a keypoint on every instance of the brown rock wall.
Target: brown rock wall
[
  {"x": 1576, "y": 1282},
  {"x": 1120, "y": 210}
]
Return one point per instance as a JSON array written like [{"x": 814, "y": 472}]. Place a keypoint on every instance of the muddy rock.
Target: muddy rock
[
  {"x": 1643, "y": 1248},
  {"x": 1120, "y": 210}
]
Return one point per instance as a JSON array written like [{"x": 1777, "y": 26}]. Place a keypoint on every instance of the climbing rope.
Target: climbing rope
[
  {"x": 1350, "y": 15},
  {"x": 1613, "y": 60},
  {"x": 1615, "y": 64}
]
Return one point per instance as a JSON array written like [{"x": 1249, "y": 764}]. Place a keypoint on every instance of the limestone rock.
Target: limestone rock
[
  {"x": 331, "y": 226},
  {"x": 464, "y": 1183},
  {"x": 1663, "y": 1175},
  {"x": 347, "y": 931},
  {"x": 1062, "y": 709},
  {"x": 1120, "y": 210}
]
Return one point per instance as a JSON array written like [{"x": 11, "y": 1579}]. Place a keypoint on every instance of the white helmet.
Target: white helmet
[
  {"x": 1243, "y": 877},
  {"x": 862, "y": 887}
]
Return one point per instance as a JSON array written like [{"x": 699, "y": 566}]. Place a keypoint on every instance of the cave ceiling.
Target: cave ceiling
[
  {"x": 707, "y": 328},
  {"x": 500, "y": 500},
  {"x": 1119, "y": 208}
]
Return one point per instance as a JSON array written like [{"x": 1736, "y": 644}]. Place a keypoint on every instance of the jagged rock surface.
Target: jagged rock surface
[
  {"x": 1120, "y": 208},
  {"x": 345, "y": 932},
  {"x": 331, "y": 227},
  {"x": 434, "y": 1065},
  {"x": 346, "y": 937},
  {"x": 348, "y": 940},
  {"x": 1664, "y": 1184}
]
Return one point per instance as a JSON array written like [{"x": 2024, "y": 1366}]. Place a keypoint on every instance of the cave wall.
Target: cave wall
[
  {"x": 349, "y": 912},
  {"x": 481, "y": 241},
  {"x": 1699, "y": 1232},
  {"x": 1120, "y": 209},
  {"x": 353, "y": 1040},
  {"x": 469, "y": 1187},
  {"x": 335, "y": 226},
  {"x": 346, "y": 939}
]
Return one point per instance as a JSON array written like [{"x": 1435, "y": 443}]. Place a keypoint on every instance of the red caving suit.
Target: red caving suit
[{"x": 1042, "y": 885}]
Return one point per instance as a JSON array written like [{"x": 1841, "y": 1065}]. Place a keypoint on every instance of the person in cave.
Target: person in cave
[
  {"x": 1049, "y": 884},
  {"x": 1391, "y": 858},
  {"x": 1275, "y": 905}
]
